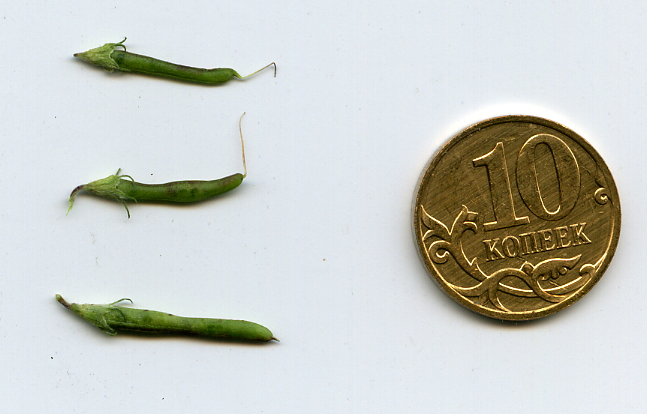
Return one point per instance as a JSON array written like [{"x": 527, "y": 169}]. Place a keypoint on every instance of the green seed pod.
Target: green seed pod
[
  {"x": 115, "y": 187},
  {"x": 112, "y": 319},
  {"x": 111, "y": 59}
]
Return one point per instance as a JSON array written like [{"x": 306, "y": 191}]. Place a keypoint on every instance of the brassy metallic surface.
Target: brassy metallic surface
[
  {"x": 112, "y": 319},
  {"x": 516, "y": 217}
]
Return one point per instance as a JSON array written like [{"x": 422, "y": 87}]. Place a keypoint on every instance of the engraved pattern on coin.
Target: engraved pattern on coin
[{"x": 534, "y": 217}]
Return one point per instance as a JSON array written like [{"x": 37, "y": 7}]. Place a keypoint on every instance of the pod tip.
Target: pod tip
[{"x": 62, "y": 301}]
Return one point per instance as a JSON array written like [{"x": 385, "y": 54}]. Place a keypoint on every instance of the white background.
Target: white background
[{"x": 317, "y": 243}]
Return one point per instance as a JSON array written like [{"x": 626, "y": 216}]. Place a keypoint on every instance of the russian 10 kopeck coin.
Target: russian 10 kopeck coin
[{"x": 516, "y": 217}]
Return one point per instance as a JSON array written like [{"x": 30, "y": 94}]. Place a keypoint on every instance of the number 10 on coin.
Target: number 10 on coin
[{"x": 516, "y": 217}]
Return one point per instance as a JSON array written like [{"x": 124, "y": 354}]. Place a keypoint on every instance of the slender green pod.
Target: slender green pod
[
  {"x": 112, "y": 319},
  {"x": 111, "y": 58},
  {"x": 116, "y": 187}
]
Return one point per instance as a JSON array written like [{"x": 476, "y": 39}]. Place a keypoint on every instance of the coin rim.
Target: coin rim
[{"x": 551, "y": 309}]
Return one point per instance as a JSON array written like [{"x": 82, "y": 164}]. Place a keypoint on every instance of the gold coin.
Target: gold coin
[{"x": 516, "y": 217}]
